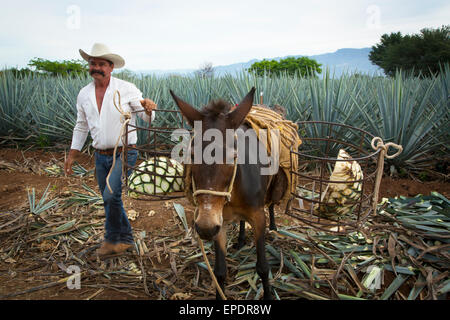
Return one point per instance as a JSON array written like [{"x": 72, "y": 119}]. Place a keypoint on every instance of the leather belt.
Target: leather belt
[{"x": 110, "y": 152}]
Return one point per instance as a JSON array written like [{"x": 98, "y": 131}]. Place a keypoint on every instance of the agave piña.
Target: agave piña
[
  {"x": 157, "y": 175},
  {"x": 339, "y": 198}
]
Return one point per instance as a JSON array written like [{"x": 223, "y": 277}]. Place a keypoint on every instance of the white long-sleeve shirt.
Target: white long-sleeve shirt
[{"x": 105, "y": 126}]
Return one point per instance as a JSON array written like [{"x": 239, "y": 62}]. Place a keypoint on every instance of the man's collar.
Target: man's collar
[{"x": 110, "y": 79}]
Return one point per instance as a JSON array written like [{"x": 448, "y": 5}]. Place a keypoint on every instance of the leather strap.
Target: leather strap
[{"x": 110, "y": 152}]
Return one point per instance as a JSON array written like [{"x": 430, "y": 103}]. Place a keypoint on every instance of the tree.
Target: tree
[
  {"x": 64, "y": 68},
  {"x": 18, "y": 73},
  {"x": 421, "y": 53},
  {"x": 302, "y": 66},
  {"x": 206, "y": 70}
]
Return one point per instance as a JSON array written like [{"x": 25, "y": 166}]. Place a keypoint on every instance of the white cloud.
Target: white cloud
[{"x": 184, "y": 34}]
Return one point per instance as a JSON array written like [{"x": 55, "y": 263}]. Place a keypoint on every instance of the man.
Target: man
[{"x": 96, "y": 113}]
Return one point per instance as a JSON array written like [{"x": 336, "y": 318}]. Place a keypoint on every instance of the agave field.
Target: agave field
[
  {"x": 408, "y": 111},
  {"x": 49, "y": 222}
]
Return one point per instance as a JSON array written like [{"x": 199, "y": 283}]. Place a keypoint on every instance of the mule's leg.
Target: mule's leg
[
  {"x": 220, "y": 266},
  {"x": 241, "y": 238},
  {"x": 272, "y": 225},
  {"x": 276, "y": 192},
  {"x": 258, "y": 222}
]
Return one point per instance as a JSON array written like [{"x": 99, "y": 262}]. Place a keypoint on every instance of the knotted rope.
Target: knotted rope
[
  {"x": 383, "y": 153},
  {"x": 125, "y": 118}
]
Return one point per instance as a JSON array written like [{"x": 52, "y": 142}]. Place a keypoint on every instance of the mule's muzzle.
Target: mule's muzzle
[{"x": 207, "y": 233}]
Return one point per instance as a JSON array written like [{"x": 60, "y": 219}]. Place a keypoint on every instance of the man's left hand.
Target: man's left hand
[{"x": 148, "y": 105}]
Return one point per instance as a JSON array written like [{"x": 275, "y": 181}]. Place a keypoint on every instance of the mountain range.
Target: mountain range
[{"x": 338, "y": 62}]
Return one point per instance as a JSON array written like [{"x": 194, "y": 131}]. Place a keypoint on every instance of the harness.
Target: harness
[{"x": 226, "y": 194}]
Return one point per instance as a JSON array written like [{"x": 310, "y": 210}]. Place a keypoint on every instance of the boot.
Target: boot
[
  {"x": 122, "y": 247},
  {"x": 107, "y": 248}
]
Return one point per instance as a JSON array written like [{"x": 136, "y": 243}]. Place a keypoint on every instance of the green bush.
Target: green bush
[
  {"x": 59, "y": 68},
  {"x": 302, "y": 66},
  {"x": 422, "y": 54}
]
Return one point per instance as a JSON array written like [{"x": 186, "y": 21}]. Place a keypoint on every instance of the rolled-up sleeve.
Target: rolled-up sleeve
[
  {"x": 81, "y": 129},
  {"x": 135, "y": 97}
]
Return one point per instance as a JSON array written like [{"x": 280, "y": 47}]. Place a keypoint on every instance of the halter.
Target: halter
[{"x": 226, "y": 194}]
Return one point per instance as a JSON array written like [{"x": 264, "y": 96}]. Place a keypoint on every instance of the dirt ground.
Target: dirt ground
[
  {"x": 14, "y": 188},
  {"x": 155, "y": 217}
]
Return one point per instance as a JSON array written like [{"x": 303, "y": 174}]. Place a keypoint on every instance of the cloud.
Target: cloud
[{"x": 184, "y": 34}]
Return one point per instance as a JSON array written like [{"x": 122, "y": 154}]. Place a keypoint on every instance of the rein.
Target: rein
[
  {"x": 125, "y": 119},
  {"x": 211, "y": 273}
]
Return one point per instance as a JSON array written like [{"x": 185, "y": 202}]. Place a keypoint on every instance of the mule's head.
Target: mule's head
[{"x": 211, "y": 174}]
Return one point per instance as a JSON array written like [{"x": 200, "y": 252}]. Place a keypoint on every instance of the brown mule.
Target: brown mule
[{"x": 251, "y": 190}]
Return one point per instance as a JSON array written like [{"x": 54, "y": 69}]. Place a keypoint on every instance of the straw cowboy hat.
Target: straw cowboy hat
[{"x": 100, "y": 50}]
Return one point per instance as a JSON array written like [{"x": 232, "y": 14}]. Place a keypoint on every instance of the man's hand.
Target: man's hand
[
  {"x": 69, "y": 161},
  {"x": 148, "y": 105}
]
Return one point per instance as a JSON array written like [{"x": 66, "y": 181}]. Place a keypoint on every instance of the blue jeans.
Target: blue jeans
[{"x": 117, "y": 226}]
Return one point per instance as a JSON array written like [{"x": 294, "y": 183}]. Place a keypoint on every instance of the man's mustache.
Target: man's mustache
[{"x": 98, "y": 71}]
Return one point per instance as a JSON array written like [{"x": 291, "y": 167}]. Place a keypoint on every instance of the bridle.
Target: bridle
[{"x": 226, "y": 194}]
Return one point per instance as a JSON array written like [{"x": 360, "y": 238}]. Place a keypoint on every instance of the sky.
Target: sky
[{"x": 175, "y": 34}]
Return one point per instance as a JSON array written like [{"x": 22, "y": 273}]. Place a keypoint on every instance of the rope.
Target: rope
[
  {"x": 124, "y": 119},
  {"x": 211, "y": 273},
  {"x": 383, "y": 153},
  {"x": 200, "y": 241},
  {"x": 386, "y": 146},
  {"x": 226, "y": 194}
]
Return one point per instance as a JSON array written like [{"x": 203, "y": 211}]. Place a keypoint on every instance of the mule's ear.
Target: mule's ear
[
  {"x": 187, "y": 110},
  {"x": 238, "y": 115}
]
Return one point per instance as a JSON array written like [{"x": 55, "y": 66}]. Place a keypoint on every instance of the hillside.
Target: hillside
[{"x": 346, "y": 59}]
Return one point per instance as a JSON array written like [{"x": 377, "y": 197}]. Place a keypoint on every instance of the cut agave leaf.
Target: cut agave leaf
[{"x": 393, "y": 286}]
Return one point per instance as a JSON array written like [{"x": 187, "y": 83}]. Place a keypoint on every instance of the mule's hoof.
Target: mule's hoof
[
  {"x": 268, "y": 295},
  {"x": 271, "y": 235},
  {"x": 238, "y": 245}
]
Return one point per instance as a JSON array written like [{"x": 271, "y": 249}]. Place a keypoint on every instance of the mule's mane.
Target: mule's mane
[{"x": 215, "y": 108}]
